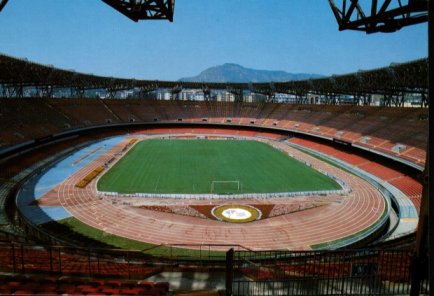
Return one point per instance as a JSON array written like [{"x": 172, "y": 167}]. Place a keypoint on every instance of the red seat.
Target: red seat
[
  {"x": 66, "y": 289},
  {"x": 5, "y": 290},
  {"x": 113, "y": 283},
  {"x": 23, "y": 292},
  {"x": 96, "y": 283},
  {"x": 133, "y": 291},
  {"x": 110, "y": 291},
  {"x": 46, "y": 289}
]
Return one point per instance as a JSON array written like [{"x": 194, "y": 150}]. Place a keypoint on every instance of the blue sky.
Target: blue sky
[{"x": 291, "y": 35}]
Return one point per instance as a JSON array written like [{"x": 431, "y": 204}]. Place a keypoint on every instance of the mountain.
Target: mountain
[{"x": 235, "y": 73}]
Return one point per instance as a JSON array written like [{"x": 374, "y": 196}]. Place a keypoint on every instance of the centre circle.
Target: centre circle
[{"x": 236, "y": 213}]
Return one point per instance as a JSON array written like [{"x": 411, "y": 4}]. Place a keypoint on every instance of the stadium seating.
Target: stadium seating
[
  {"x": 378, "y": 128},
  {"x": 43, "y": 285},
  {"x": 407, "y": 184},
  {"x": 411, "y": 187},
  {"x": 381, "y": 171},
  {"x": 85, "y": 112}
]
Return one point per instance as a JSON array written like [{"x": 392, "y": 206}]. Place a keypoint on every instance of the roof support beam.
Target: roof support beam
[
  {"x": 144, "y": 9},
  {"x": 3, "y": 4},
  {"x": 379, "y": 15}
]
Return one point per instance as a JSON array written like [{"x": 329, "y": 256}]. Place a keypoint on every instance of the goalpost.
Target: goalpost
[{"x": 225, "y": 187}]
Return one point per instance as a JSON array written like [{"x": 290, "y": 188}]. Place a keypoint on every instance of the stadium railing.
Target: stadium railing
[
  {"x": 276, "y": 272},
  {"x": 343, "y": 272}
]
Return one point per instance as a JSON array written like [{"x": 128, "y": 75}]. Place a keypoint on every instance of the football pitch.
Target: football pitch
[{"x": 210, "y": 166}]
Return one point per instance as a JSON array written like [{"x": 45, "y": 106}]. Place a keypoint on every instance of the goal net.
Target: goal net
[{"x": 225, "y": 187}]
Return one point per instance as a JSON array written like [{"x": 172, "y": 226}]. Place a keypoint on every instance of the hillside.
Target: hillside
[{"x": 235, "y": 73}]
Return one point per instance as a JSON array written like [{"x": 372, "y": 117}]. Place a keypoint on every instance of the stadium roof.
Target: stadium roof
[{"x": 411, "y": 77}]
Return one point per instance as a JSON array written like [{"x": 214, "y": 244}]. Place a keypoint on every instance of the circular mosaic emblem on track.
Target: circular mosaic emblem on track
[{"x": 236, "y": 213}]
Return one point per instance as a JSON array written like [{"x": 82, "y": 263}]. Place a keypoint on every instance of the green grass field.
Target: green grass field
[
  {"x": 77, "y": 226},
  {"x": 190, "y": 166}
]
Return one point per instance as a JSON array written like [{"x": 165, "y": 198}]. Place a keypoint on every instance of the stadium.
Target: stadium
[{"x": 322, "y": 194}]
